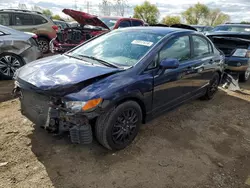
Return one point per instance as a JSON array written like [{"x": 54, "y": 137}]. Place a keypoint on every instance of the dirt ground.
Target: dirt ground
[{"x": 200, "y": 144}]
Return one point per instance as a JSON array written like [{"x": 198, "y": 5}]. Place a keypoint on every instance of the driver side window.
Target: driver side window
[{"x": 177, "y": 48}]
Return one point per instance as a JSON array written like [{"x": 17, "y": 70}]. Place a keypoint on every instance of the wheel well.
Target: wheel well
[
  {"x": 138, "y": 101},
  {"x": 43, "y": 36},
  {"x": 10, "y": 53}
]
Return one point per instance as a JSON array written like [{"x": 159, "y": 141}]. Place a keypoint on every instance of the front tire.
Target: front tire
[
  {"x": 118, "y": 127},
  {"x": 212, "y": 87}
]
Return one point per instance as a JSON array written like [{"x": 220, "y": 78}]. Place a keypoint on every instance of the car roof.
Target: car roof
[
  {"x": 118, "y": 18},
  {"x": 159, "y": 30},
  {"x": 199, "y": 26},
  {"x": 237, "y": 25}
]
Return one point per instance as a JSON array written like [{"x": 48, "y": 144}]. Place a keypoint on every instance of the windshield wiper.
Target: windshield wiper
[{"x": 100, "y": 60}]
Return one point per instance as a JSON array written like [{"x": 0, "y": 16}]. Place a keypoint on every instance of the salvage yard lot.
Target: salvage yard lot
[{"x": 200, "y": 144}]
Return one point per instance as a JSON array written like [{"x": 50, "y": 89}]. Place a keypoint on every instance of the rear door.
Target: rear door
[
  {"x": 23, "y": 22},
  {"x": 173, "y": 86},
  {"x": 204, "y": 61}
]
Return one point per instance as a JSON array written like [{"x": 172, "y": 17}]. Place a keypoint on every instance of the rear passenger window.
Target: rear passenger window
[
  {"x": 201, "y": 46},
  {"x": 5, "y": 19},
  {"x": 178, "y": 48},
  {"x": 136, "y": 23},
  {"x": 39, "y": 20},
  {"x": 23, "y": 19},
  {"x": 124, "y": 23}
]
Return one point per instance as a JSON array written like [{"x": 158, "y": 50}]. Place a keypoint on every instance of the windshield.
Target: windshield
[
  {"x": 110, "y": 22},
  {"x": 233, "y": 28},
  {"x": 121, "y": 48}
]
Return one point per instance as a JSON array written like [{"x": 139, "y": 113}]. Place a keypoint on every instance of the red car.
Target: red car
[{"x": 89, "y": 26}]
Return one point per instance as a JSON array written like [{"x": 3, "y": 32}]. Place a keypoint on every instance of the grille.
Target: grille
[{"x": 35, "y": 107}]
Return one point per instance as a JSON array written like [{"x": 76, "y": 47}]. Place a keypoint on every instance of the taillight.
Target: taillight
[
  {"x": 55, "y": 27},
  {"x": 34, "y": 37}
]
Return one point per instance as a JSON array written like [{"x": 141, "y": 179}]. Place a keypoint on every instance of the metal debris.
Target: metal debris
[
  {"x": 231, "y": 82},
  {"x": 3, "y": 164}
]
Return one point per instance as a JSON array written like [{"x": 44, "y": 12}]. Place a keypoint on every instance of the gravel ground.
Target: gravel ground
[{"x": 200, "y": 144}]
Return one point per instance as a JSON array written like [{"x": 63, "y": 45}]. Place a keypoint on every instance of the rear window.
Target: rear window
[
  {"x": 23, "y": 19},
  {"x": 233, "y": 28},
  {"x": 136, "y": 23},
  {"x": 39, "y": 20},
  {"x": 5, "y": 19}
]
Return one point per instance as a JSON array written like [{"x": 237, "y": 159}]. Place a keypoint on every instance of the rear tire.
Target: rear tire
[
  {"x": 43, "y": 44},
  {"x": 244, "y": 77},
  {"x": 212, "y": 87},
  {"x": 118, "y": 127},
  {"x": 9, "y": 63}
]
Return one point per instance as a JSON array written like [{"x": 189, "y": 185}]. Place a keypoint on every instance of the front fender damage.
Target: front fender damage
[{"x": 50, "y": 113}]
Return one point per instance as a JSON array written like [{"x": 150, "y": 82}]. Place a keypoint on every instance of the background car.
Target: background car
[
  {"x": 115, "y": 82},
  {"x": 234, "y": 41},
  {"x": 16, "y": 49},
  {"x": 61, "y": 24},
  {"x": 203, "y": 28},
  {"x": 89, "y": 26},
  {"x": 30, "y": 21}
]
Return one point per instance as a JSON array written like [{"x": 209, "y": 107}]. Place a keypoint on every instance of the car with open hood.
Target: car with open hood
[
  {"x": 234, "y": 41},
  {"x": 89, "y": 26},
  {"x": 111, "y": 84}
]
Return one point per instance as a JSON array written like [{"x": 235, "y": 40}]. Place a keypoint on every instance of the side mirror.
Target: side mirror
[{"x": 170, "y": 63}]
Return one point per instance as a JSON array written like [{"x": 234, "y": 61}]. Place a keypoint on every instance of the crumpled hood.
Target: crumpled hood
[
  {"x": 60, "y": 72},
  {"x": 85, "y": 18}
]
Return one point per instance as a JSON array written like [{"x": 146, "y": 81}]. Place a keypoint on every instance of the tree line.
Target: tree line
[{"x": 199, "y": 14}]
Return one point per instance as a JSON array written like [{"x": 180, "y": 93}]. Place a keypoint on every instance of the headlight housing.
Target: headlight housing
[{"x": 80, "y": 106}]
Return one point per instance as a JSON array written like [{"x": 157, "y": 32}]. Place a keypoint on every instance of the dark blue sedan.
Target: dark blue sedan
[{"x": 106, "y": 87}]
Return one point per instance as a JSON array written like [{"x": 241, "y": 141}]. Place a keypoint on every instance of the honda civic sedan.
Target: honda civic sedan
[{"x": 107, "y": 87}]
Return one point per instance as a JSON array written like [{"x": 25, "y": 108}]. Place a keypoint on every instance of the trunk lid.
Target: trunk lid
[{"x": 85, "y": 18}]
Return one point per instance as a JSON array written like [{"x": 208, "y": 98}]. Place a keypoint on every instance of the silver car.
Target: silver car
[{"x": 16, "y": 49}]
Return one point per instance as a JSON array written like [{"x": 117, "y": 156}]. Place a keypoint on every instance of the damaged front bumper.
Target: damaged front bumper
[{"x": 50, "y": 113}]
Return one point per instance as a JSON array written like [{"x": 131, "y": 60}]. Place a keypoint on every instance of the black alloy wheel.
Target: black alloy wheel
[
  {"x": 118, "y": 127},
  {"x": 124, "y": 128}
]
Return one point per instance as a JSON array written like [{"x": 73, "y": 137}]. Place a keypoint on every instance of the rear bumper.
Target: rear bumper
[
  {"x": 237, "y": 64},
  {"x": 31, "y": 54},
  {"x": 237, "y": 69}
]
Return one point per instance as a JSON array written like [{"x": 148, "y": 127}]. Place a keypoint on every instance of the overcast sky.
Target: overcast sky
[{"x": 238, "y": 9}]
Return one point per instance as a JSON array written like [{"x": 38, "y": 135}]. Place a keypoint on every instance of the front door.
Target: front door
[{"x": 173, "y": 86}]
